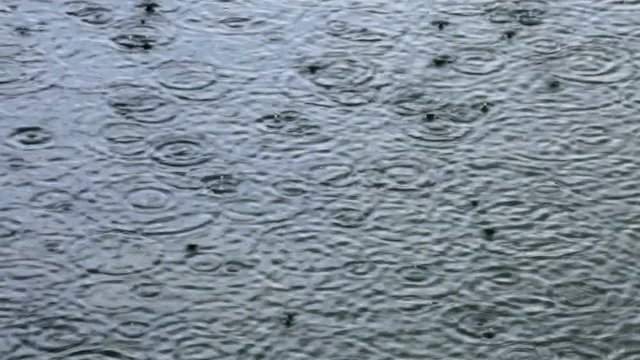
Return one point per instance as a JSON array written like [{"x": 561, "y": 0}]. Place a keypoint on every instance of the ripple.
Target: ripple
[
  {"x": 495, "y": 280},
  {"x": 30, "y": 137},
  {"x": 579, "y": 142},
  {"x": 197, "y": 334},
  {"x": 400, "y": 174},
  {"x": 517, "y": 351},
  {"x": 57, "y": 200},
  {"x": 292, "y": 187},
  {"x": 348, "y": 213},
  {"x": 223, "y": 185},
  {"x": 344, "y": 79},
  {"x": 56, "y": 334},
  {"x": 89, "y": 12},
  {"x": 141, "y": 33},
  {"x": 106, "y": 295},
  {"x": 116, "y": 253},
  {"x": 9, "y": 229},
  {"x": 141, "y": 204},
  {"x": 229, "y": 18},
  {"x": 23, "y": 77},
  {"x": 258, "y": 208},
  {"x": 100, "y": 353},
  {"x": 181, "y": 150},
  {"x": 190, "y": 80},
  {"x": 438, "y": 129},
  {"x": 467, "y": 323},
  {"x": 356, "y": 25},
  {"x": 134, "y": 324},
  {"x": 150, "y": 198},
  {"x": 597, "y": 60},
  {"x": 28, "y": 285},
  {"x": 478, "y": 61},
  {"x": 123, "y": 139},
  {"x": 141, "y": 103},
  {"x": 553, "y": 96},
  {"x": 542, "y": 245},
  {"x": 290, "y": 123},
  {"x": 579, "y": 294},
  {"x": 333, "y": 174}
]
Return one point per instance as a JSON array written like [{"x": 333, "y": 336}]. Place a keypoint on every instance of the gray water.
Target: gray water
[{"x": 307, "y": 179}]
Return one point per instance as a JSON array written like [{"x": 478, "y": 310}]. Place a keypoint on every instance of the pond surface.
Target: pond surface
[{"x": 310, "y": 179}]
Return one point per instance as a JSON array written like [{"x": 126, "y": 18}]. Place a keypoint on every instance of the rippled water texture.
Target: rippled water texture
[{"x": 306, "y": 179}]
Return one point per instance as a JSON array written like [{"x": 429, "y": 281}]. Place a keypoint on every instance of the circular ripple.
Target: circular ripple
[
  {"x": 141, "y": 33},
  {"x": 468, "y": 323},
  {"x": 89, "y": 12},
  {"x": 150, "y": 198},
  {"x": 56, "y": 334},
  {"x": 599, "y": 60},
  {"x": 348, "y": 214},
  {"x": 229, "y": 18},
  {"x": 356, "y": 25},
  {"x": 123, "y": 139},
  {"x": 181, "y": 150},
  {"x": 400, "y": 174},
  {"x": 134, "y": 324},
  {"x": 141, "y": 204},
  {"x": 107, "y": 295},
  {"x": 478, "y": 61},
  {"x": 555, "y": 96},
  {"x": 53, "y": 200},
  {"x": 517, "y": 352},
  {"x": 141, "y": 103},
  {"x": 116, "y": 253},
  {"x": 29, "y": 284},
  {"x": 290, "y": 123},
  {"x": 335, "y": 175},
  {"x": 190, "y": 80},
  {"x": 30, "y": 137},
  {"x": 346, "y": 80},
  {"x": 580, "y": 142},
  {"x": 579, "y": 294},
  {"x": 22, "y": 77},
  {"x": 292, "y": 187},
  {"x": 440, "y": 128}
]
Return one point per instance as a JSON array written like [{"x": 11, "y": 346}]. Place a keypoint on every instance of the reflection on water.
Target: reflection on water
[{"x": 319, "y": 179}]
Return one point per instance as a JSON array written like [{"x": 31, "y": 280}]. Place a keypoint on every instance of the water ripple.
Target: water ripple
[
  {"x": 116, "y": 253},
  {"x": 136, "y": 34},
  {"x": 191, "y": 80},
  {"x": 596, "y": 60},
  {"x": 141, "y": 103},
  {"x": 89, "y": 12}
]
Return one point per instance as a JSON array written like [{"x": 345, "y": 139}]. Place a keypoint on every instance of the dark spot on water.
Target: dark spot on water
[
  {"x": 93, "y": 271},
  {"x": 484, "y": 107},
  {"x": 509, "y": 34},
  {"x": 313, "y": 69},
  {"x": 474, "y": 203},
  {"x": 430, "y": 117},
  {"x": 553, "y": 84},
  {"x": 488, "y": 335},
  {"x": 442, "y": 60},
  {"x": 440, "y": 24},
  {"x": 149, "y": 7},
  {"x": 191, "y": 249},
  {"x": 23, "y": 31},
  {"x": 488, "y": 233},
  {"x": 143, "y": 21},
  {"x": 289, "y": 319},
  {"x": 146, "y": 45}
]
